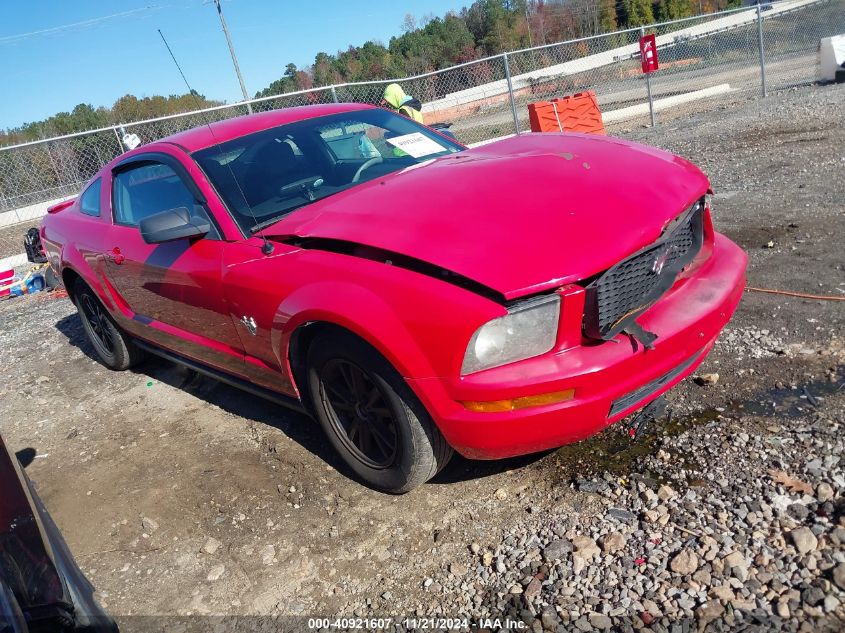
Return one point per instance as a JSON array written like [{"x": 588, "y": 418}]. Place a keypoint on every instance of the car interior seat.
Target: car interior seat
[{"x": 272, "y": 167}]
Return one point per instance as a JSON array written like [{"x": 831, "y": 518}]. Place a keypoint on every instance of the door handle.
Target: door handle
[{"x": 115, "y": 255}]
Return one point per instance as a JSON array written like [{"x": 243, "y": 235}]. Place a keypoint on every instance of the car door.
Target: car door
[{"x": 171, "y": 293}]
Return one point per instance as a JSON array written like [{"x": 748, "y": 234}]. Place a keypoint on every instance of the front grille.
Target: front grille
[
  {"x": 638, "y": 395},
  {"x": 623, "y": 292}
]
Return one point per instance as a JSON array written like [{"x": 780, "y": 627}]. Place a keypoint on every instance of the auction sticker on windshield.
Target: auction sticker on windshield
[{"x": 416, "y": 144}]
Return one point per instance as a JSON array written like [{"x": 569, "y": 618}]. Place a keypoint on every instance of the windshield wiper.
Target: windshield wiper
[{"x": 276, "y": 218}]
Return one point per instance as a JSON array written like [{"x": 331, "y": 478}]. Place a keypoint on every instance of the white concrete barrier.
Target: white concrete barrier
[
  {"x": 641, "y": 109},
  {"x": 14, "y": 261},
  {"x": 30, "y": 212},
  {"x": 21, "y": 216},
  {"x": 831, "y": 56}
]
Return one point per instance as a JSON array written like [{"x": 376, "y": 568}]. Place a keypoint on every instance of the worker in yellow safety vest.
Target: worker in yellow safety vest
[{"x": 404, "y": 104}]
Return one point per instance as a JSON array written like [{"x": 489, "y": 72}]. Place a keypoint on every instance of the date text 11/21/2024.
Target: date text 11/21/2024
[{"x": 418, "y": 623}]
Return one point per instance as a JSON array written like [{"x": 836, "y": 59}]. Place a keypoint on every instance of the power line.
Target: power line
[{"x": 57, "y": 29}]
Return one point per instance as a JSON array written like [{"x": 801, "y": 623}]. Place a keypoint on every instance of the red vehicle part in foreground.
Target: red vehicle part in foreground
[
  {"x": 42, "y": 587},
  {"x": 407, "y": 291}
]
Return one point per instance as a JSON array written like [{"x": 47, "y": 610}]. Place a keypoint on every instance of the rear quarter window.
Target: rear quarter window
[{"x": 89, "y": 201}]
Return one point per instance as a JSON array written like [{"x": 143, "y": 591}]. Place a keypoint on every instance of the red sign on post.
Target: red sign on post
[{"x": 648, "y": 53}]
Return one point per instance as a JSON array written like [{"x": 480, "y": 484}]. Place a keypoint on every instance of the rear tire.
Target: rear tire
[
  {"x": 371, "y": 416},
  {"x": 113, "y": 347}
]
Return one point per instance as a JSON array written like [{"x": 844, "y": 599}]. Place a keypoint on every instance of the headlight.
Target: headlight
[{"x": 528, "y": 329}]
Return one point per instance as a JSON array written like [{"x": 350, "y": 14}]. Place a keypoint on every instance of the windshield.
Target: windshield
[{"x": 266, "y": 175}]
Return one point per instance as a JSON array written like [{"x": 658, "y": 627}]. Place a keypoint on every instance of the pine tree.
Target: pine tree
[
  {"x": 637, "y": 12},
  {"x": 607, "y": 16},
  {"x": 674, "y": 9}
]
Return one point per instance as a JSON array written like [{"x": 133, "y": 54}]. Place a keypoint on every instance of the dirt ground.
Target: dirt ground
[{"x": 179, "y": 495}]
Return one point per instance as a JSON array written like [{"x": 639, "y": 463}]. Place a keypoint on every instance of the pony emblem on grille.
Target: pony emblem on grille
[
  {"x": 661, "y": 259},
  {"x": 624, "y": 291}
]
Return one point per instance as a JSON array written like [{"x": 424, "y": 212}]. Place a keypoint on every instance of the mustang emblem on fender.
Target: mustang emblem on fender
[{"x": 249, "y": 324}]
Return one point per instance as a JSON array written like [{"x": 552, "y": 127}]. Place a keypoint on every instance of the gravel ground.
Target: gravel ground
[{"x": 181, "y": 496}]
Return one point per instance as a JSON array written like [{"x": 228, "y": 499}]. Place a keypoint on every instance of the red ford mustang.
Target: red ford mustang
[{"x": 415, "y": 296}]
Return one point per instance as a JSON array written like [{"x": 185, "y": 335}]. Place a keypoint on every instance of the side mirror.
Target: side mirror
[{"x": 173, "y": 224}]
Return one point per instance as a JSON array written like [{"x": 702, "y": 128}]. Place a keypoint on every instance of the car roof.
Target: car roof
[{"x": 201, "y": 137}]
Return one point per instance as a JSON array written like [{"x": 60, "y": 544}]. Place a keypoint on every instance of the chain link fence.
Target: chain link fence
[{"x": 705, "y": 62}]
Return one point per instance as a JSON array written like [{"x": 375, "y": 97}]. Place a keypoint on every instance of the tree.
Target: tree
[
  {"x": 292, "y": 80},
  {"x": 607, "y": 16},
  {"x": 438, "y": 44},
  {"x": 84, "y": 116},
  {"x": 409, "y": 23},
  {"x": 637, "y": 12},
  {"x": 674, "y": 9}
]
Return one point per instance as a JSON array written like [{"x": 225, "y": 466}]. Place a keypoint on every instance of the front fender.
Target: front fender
[
  {"x": 359, "y": 310},
  {"x": 420, "y": 324}
]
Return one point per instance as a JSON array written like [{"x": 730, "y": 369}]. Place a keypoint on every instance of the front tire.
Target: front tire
[
  {"x": 113, "y": 347},
  {"x": 371, "y": 416}
]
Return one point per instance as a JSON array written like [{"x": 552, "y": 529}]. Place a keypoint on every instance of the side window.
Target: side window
[
  {"x": 146, "y": 190},
  {"x": 89, "y": 201}
]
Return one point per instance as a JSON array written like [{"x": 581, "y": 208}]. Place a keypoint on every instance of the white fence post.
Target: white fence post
[
  {"x": 762, "y": 50},
  {"x": 510, "y": 93}
]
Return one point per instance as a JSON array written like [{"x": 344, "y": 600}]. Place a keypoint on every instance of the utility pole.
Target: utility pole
[
  {"x": 232, "y": 53},
  {"x": 530, "y": 40},
  {"x": 542, "y": 25},
  {"x": 528, "y": 27}
]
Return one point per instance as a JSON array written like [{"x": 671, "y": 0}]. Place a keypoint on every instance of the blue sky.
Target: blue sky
[{"x": 48, "y": 69}]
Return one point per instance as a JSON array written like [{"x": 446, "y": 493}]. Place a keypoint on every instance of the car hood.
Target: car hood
[{"x": 520, "y": 215}]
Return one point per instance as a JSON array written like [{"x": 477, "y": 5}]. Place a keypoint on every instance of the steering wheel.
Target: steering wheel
[
  {"x": 298, "y": 187},
  {"x": 373, "y": 161}
]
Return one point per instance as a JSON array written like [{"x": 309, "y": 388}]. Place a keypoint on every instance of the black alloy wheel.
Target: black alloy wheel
[
  {"x": 94, "y": 313},
  {"x": 370, "y": 414},
  {"x": 115, "y": 349},
  {"x": 359, "y": 412}
]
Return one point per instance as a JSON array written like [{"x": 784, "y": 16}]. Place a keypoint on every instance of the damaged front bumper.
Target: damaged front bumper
[{"x": 610, "y": 379}]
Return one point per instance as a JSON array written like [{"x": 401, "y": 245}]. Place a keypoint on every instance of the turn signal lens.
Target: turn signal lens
[{"x": 493, "y": 406}]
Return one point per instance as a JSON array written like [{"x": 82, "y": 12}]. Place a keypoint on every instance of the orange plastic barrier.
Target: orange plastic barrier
[{"x": 576, "y": 113}]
